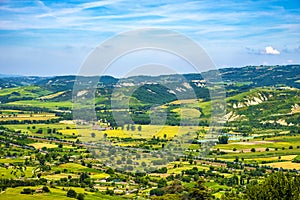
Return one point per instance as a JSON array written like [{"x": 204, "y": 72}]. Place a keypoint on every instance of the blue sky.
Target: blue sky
[{"x": 55, "y": 37}]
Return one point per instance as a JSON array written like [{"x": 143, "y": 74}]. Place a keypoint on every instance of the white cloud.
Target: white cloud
[{"x": 271, "y": 50}]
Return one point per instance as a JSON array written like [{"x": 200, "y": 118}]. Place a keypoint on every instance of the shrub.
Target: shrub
[
  {"x": 46, "y": 189},
  {"x": 71, "y": 193},
  {"x": 223, "y": 139},
  {"x": 156, "y": 192},
  {"x": 80, "y": 196},
  {"x": 27, "y": 191}
]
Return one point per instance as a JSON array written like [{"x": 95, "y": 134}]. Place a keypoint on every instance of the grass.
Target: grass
[
  {"x": 55, "y": 193},
  {"x": 14, "y": 193},
  {"x": 215, "y": 186},
  {"x": 187, "y": 112},
  {"x": 274, "y": 142},
  {"x": 263, "y": 154},
  {"x": 28, "y": 128},
  {"x": 9, "y": 173},
  {"x": 24, "y": 91},
  {"x": 44, "y": 104},
  {"x": 11, "y": 160}
]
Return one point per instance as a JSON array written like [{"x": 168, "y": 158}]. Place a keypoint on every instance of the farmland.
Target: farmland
[{"x": 150, "y": 148}]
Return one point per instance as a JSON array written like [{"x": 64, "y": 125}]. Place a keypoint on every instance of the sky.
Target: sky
[{"x": 55, "y": 37}]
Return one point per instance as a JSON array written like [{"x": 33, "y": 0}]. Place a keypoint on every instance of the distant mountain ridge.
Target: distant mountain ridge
[
  {"x": 256, "y": 94},
  {"x": 256, "y": 75}
]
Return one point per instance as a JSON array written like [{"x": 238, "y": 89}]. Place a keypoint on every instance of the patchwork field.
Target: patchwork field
[
  {"x": 285, "y": 165},
  {"x": 22, "y": 117}
]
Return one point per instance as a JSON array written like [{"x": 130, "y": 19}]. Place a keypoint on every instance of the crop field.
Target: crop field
[
  {"x": 16, "y": 173},
  {"x": 59, "y": 176},
  {"x": 22, "y": 117},
  {"x": 10, "y": 111},
  {"x": 183, "y": 166},
  {"x": 43, "y": 104},
  {"x": 51, "y": 96},
  {"x": 27, "y": 91},
  {"x": 11, "y": 160},
  {"x": 274, "y": 142},
  {"x": 40, "y": 145},
  {"x": 148, "y": 131},
  {"x": 284, "y": 165},
  {"x": 187, "y": 112}
]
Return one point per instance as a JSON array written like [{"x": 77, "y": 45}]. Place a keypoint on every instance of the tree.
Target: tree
[
  {"x": 132, "y": 127},
  {"x": 165, "y": 136},
  {"x": 93, "y": 135},
  {"x": 223, "y": 139},
  {"x": 276, "y": 186},
  {"x": 157, "y": 192},
  {"x": 60, "y": 145},
  {"x": 71, "y": 193},
  {"x": 199, "y": 191},
  {"x": 80, "y": 196},
  {"x": 46, "y": 189},
  {"x": 40, "y": 131},
  {"x": 27, "y": 191},
  {"x": 162, "y": 183},
  {"x": 139, "y": 128},
  {"x": 253, "y": 150}
]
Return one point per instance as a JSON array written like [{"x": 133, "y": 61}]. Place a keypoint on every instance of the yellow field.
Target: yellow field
[
  {"x": 51, "y": 96},
  {"x": 72, "y": 166},
  {"x": 99, "y": 176},
  {"x": 59, "y": 176},
  {"x": 148, "y": 131},
  {"x": 185, "y": 101},
  {"x": 187, "y": 112},
  {"x": 21, "y": 117},
  {"x": 285, "y": 165},
  {"x": 289, "y": 157},
  {"x": 69, "y": 131},
  {"x": 40, "y": 145},
  {"x": 11, "y": 111}
]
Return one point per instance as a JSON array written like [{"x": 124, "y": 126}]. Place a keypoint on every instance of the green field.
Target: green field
[{"x": 43, "y": 104}]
